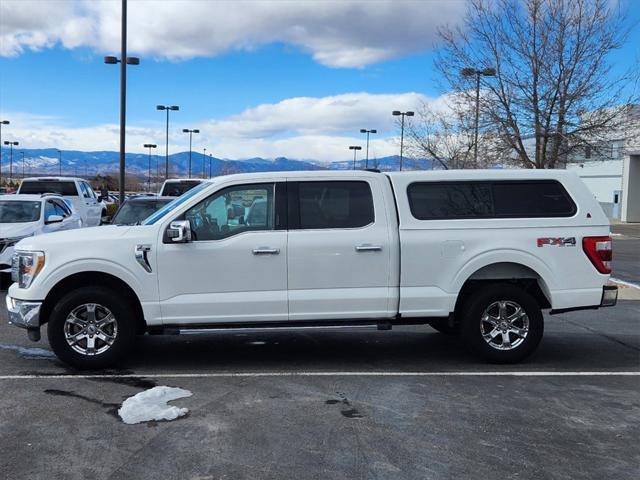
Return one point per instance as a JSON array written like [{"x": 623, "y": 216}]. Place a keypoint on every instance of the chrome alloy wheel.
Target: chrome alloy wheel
[
  {"x": 504, "y": 325},
  {"x": 90, "y": 329}
]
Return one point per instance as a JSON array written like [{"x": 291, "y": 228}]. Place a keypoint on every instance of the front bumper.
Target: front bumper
[{"x": 23, "y": 314}]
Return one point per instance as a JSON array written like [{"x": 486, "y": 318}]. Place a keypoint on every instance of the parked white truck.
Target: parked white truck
[{"x": 480, "y": 253}]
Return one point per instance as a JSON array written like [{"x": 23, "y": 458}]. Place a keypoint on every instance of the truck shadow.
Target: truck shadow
[{"x": 405, "y": 349}]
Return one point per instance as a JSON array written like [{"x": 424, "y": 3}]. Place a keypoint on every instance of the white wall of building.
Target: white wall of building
[
  {"x": 603, "y": 178},
  {"x": 631, "y": 186}
]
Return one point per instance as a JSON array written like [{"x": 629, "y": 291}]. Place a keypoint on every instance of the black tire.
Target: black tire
[
  {"x": 516, "y": 346},
  {"x": 107, "y": 300},
  {"x": 5, "y": 281},
  {"x": 444, "y": 327}
]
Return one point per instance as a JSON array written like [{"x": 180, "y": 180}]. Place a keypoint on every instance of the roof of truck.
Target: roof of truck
[
  {"x": 521, "y": 174},
  {"x": 51, "y": 179}
]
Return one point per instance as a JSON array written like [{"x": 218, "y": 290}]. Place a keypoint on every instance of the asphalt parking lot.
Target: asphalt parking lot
[{"x": 405, "y": 404}]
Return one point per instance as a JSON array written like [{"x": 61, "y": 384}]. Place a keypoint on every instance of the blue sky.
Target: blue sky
[{"x": 292, "y": 78}]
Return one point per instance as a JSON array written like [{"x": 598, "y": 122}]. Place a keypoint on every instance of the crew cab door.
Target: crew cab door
[
  {"x": 234, "y": 269},
  {"x": 339, "y": 250}
]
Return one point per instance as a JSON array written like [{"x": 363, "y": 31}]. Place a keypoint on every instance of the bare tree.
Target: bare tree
[
  {"x": 554, "y": 90},
  {"x": 445, "y": 135}
]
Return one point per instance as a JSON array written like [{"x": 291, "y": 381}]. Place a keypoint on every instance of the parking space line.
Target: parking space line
[{"x": 327, "y": 374}]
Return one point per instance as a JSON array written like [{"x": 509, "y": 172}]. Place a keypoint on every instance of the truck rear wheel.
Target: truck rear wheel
[
  {"x": 91, "y": 328},
  {"x": 502, "y": 323}
]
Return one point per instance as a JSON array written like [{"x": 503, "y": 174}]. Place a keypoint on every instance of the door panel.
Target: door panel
[
  {"x": 235, "y": 269},
  {"x": 337, "y": 273},
  {"x": 224, "y": 280}
]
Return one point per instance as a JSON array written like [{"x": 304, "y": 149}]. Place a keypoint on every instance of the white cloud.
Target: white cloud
[
  {"x": 337, "y": 33},
  {"x": 319, "y": 128},
  {"x": 318, "y": 115}
]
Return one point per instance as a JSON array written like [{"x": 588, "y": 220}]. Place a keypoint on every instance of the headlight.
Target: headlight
[{"x": 25, "y": 266}]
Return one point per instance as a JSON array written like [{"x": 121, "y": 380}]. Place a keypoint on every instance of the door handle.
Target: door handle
[
  {"x": 368, "y": 248},
  {"x": 266, "y": 251}
]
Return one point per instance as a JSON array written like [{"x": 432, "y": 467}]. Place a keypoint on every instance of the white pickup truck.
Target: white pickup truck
[{"x": 479, "y": 253}]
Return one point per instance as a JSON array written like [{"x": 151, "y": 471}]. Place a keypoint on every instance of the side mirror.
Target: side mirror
[
  {"x": 100, "y": 198},
  {"x": 179, "y": 231},
  {"x": 53, "y": 219}
]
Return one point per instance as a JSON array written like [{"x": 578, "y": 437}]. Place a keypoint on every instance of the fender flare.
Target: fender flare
[{"x": 504, "y": 256}]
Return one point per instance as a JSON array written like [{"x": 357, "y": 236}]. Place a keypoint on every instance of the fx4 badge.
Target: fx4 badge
[{"x": 559, "y": 241}]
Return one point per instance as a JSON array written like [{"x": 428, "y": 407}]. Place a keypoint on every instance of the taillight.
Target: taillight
[{"x": 599, "y": 251}]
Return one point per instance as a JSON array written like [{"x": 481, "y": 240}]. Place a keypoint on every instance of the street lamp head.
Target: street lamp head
[
  {"x": 373, "y": 131},
  {"x": 5, "y": 122},
  {"x": 395, "y": 113},
  {"x": 133, "y": 61},
  {"x": 160, "y": 107},
  {"x": 489, "y": 72},
  {"x": 409, "y": 114},
  {"x": 468, "y": 72},
  {"x": 174, "y": 107},
  {"x": 196, "y": 131},
  {"x": 185, "y": 130},
  {"x": 153, "y": 145},
  {"x": 362, "y": 130},
  {"x": 111, "y": 60}
]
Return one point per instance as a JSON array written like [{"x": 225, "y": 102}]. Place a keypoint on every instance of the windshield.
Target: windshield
[
  {"x": 135, "y": 212},
  {"x": 19, "y": 211},
  {"x": 49, "y": 186},
  {"x": 175, "y": 189},
  {"x": 169, "y": 207}
]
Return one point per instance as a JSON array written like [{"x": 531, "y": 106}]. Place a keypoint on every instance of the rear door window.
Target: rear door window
[{"x": 333, "y": 204}]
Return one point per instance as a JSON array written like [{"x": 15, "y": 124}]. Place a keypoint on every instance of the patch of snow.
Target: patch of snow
[
  {"x": 29, "y": 352},
  {"x": 626, "y": 284},
  {"x": 152, "y": 404}
]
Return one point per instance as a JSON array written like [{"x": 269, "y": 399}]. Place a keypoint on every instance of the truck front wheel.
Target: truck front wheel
[
  {"x": 502, "y": 323},
  {"x": 91, "y": 328}
]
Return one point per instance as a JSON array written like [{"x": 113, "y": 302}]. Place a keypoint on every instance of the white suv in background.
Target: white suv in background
[
  {"x": 23, "y": 216},
  {"x": 76, "y": 190}
]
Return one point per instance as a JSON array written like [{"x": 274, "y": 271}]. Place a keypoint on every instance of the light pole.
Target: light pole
[
  {"x": 210, "y": 162},
  {"x": 124, "y": 61},
  {"x": 364, "y": 130},
  {"x": 474, "y": 72},
  {"x": 59, "y": 162},
  {"x": 149, "y": 146},
  {"x": 22, "y": 152},
  {"x": 204, "y": 161},
  {"x": 355, "y": 148},
  {"x": 395, "y": 113},
  {"x": 190, "y": 132},
  {"x": 2, "y": 122},
  {"x": 166, "y": 153},
  {"x": 11, "y": 144}
]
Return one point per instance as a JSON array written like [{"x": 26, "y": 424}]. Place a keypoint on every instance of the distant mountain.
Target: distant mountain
[
  {"x": 385, "y": 164},
  {"x": 46, "y": 162}
]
